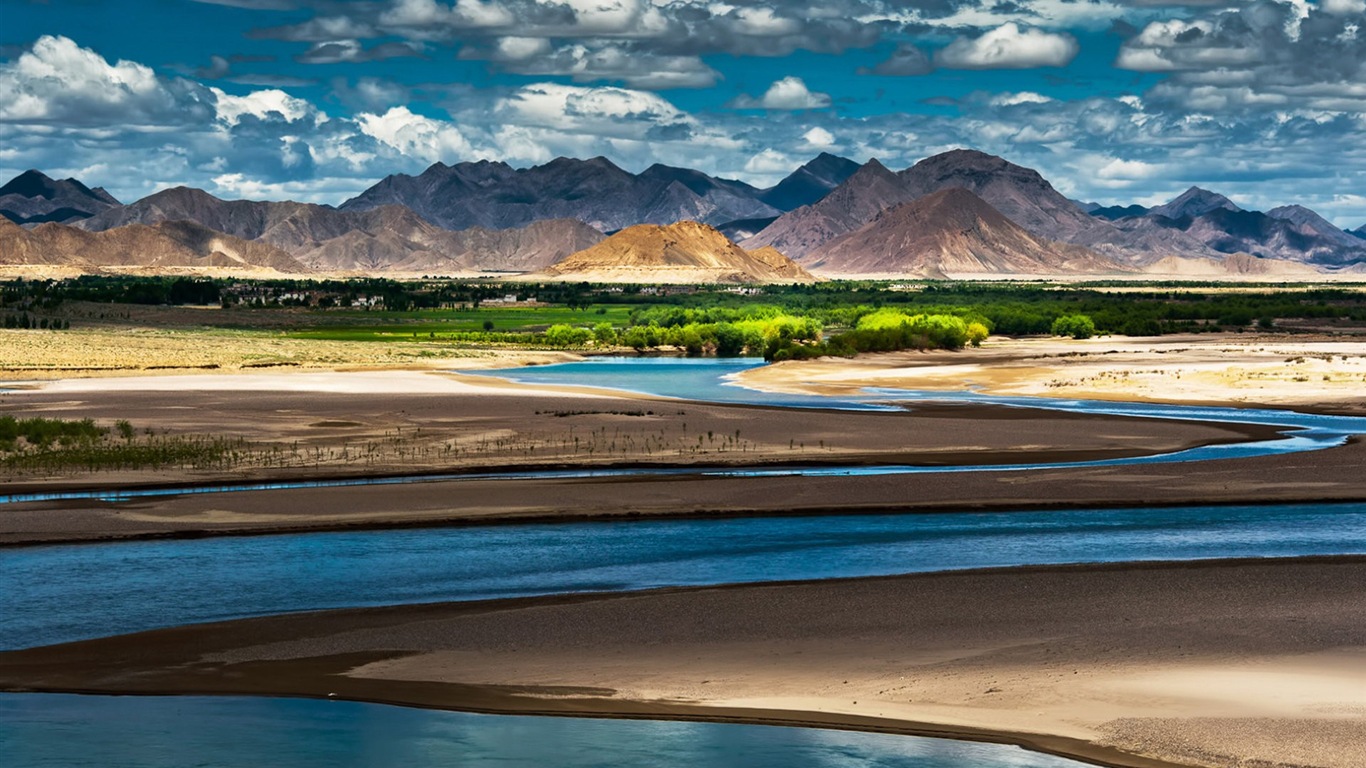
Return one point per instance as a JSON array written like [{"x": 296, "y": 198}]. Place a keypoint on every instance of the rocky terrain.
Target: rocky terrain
[
  {"x": 482, "y": 217},
  {"x": 596, "y": 192},
  {"x": 1291, "y": 233},
  {"x": 390, "y": 238},
  {"x": 683, "y": 252},
  {"x": 1021, "y": 194},
  {"x": 33, "y": 198},
  {"x": 168, "y": 245},
  {"x": 950, "y": 232}
]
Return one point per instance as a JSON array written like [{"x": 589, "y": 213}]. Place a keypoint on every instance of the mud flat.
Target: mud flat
[
  {"x": 385, "y": 423},
  {"x": 1217, "y": 663}
]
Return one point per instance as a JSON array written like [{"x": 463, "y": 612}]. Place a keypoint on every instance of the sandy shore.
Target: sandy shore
[
  {"x": 1224, "y": 663},
  {"x": 384, "y": 423},
  {"x": 1234, "y": 369}
]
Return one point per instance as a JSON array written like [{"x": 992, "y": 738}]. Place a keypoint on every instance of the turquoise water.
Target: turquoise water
[
  {"x": 55, "y": 731},
  {"x": 126, "y": 587}
]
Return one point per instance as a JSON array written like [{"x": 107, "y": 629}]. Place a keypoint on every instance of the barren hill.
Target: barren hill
[
  {"x": 33, "y": 198},
  {"x": 951, "y": 232},
  {"x": 869, "y": 191},
  {"x": 169, "y": 245},
  {"x": 388, "y": 238},
  {"x": 685, "y": 252},
  {"x": 410, "y": 244}
]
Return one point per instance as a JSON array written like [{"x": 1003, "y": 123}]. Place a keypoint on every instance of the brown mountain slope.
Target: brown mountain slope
[
  {"x": 950, "y": 232},
  {"x": 862, "y": 196},
  {"x": 408, "y": 244},
  {"x": 388, "y": 238},
  {"x": 178, "y": 245},
  {"x": 685, "y": 252}
]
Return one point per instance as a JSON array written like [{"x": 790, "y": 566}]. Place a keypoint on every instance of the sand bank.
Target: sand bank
[
  {"x": 1240, "y": 370},
  {"x": 385, "y": 423},
  {"x": 1134, "y": 665}
]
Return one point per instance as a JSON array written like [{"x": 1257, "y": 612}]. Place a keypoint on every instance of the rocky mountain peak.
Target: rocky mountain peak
[
  {"x": 33, "y": 197},
  {"x": 1192, "y": 203}
]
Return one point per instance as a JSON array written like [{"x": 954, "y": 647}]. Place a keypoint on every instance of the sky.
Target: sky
[{"x": 1114, "y": 101}]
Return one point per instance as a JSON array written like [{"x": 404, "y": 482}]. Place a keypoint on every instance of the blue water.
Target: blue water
[
  {"x": 58, "y": 593},
  {"x": 707, "y": 379},
  {"x": 56, "y": 731}
]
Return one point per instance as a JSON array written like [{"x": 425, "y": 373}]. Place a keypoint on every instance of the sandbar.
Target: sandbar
[{"x": 1214, "y": 663}]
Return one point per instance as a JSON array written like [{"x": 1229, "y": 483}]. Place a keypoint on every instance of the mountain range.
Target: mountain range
[
  {"x": 957, "y": 213},
  {"x": 497, "y": 196},
  {"x": 952, "y": 231},
  {"x": 168, "y": 246},
  {"x": 33, "y": 198},
  {"x": 1289, "y": 232}
]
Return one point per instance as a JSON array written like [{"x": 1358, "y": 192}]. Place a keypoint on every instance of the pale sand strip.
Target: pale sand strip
[
  {"x": 1240, "y": 369},
  {"x": 1133, "y": 665}
]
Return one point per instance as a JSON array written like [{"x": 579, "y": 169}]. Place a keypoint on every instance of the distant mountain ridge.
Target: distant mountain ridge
[
  {"x": 595, "y": 191},
  {"x": 1021, "y": 194},
  {"x": 164, "y": 246},
  {"x": 33, "y": 198},
  {"x": 533, "y": 218},
  {"x": 1291, "y": 232},
  {"x": 390, "y": 238}
]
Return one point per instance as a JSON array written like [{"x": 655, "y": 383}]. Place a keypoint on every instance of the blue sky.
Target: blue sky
[{"x": 315, "y": 100}]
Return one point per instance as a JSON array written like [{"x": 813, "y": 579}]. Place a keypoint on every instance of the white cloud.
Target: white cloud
[
  {"x": 1023, "y": 97},
  {"x": 764, "y": 22},
  {"x": 520, "y": 48},
  {"x": 604, "y": 111},
  {"x": 57, "y": 81},
  {"x": 1343, "y": 7},
  {"x": 769, "y": 162},
  {"x": 416, "y": 135},
  {"x": 819, "y": 138},
  {"x": 1128, "y": 169},
  {"x": 265, "y": 105},
  {"x": 789, "y": 93},
  {"x": 1009, "y": 46}
]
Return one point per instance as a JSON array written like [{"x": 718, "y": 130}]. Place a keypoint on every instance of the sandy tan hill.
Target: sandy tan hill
[
  {"x": 1233, "y": 265},
  {"x": 685, "y": 252},
  {"x": 952, "y": 232},
  {"x": 169, "y": 245}
]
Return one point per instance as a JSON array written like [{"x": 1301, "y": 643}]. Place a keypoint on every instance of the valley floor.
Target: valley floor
[{"x": 416, "y": 421}]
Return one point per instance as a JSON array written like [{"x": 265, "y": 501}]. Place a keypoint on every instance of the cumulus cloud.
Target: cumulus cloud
[
  {"x": 609, "y": 62},
  {"x": 57, "y": 81},
  {"x": 789, "y": 93},
  {"x": 1267, "y": 56},
  {"x": 819, "y": 138},
  {"x": 416, "y": 135},
  {"x": 601, "y": 111},
  {"x": 1009, "y": 46},
  {"x": 264, "y": 105}
]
